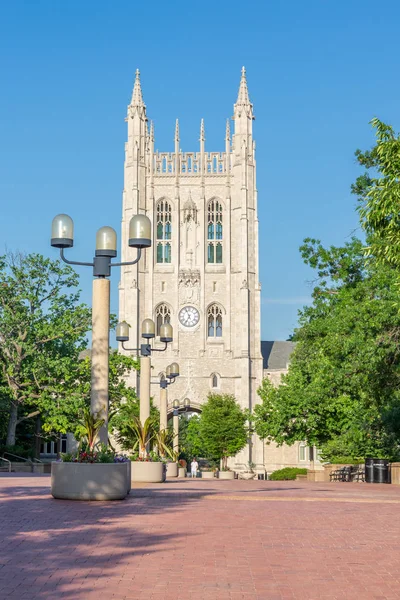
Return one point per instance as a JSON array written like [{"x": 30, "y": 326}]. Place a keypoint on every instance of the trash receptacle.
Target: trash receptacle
[
  {"x": 381, "y": 470},
  {"x": 369, "y": 470}
]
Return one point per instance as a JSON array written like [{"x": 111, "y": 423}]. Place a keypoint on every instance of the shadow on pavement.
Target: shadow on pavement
[{"x": 49, "y": 547}]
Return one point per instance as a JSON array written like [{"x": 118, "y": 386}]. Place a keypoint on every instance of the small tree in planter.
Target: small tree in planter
[
  {"x": 223, "y": 429},
  {"x": 146, "y": 465},
  {"x": 165, "y": 443},
  {"x": 144, "y": 434}
]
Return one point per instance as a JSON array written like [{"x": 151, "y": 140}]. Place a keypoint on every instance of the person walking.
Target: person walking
[{"x": 194, "y": 465}]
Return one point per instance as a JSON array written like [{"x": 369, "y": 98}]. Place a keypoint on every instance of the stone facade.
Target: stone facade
[{"x": 201, "y": 273}]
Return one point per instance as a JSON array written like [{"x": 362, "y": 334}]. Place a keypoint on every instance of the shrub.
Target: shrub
[
  {"x": 287, "y": 473},
  {"x": 346, "y": 460}
]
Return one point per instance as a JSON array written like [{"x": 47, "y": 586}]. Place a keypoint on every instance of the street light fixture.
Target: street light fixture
[
  {"x": 148, "y": 333},
  {"x": 175, "y": 421},
  {"x": 62, "y": 237},
  {"x": 172, "y": 372}
]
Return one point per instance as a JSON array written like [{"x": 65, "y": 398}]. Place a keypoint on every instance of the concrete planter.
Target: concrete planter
[
  {"x": 82, "y": 481},
  {"x": 182, "y": 472},
  {"x": 128, "y": 475},
  {"x": 149, "y": 472},
  {"x": 172, "y": 469},
  {"x": 247, "y": 475},
  {"x": 207, "y": 474},
  {"x": 226, "y": 475}
]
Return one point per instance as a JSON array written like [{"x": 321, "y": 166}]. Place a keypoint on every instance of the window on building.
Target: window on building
[
  {"x": 163, "y": 315},
  {"x": 52, "y": 447},
  {"x": 302, "y": 451},
  {"x": 214, "y": 381},
  {"x": 214, "y": 321},
  {"x": 164, "y": 232},
  {"x": 214, "y": 232}
]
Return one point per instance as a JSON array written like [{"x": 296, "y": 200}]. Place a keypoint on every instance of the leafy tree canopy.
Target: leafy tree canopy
[
  {"x": 222, "y": 430},
  {"x": 43, "y": 328},
  {"x": 343, "y": 378},
  {"x": 378, "y": 193}
]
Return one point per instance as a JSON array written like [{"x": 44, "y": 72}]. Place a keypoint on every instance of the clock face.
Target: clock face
[{"x": 189, "y": 316}]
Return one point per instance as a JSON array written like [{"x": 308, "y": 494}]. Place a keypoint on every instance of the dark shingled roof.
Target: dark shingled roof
[{"x": 276, "y": 355}]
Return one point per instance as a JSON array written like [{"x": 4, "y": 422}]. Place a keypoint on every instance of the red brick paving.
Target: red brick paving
[{"x": 202, "y": 540}]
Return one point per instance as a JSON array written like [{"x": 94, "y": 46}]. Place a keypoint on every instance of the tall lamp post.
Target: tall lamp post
[
  {"x": 62, "y": 237},
  {"x": 172, "y": 372},
  {"x": 176, "y": 406},
  {"x": 176, "y": 425},
  {"x": 148, "y": 333}
]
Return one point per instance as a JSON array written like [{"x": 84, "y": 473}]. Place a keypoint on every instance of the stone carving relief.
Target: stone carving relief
[{"x": 189, "y": 287}]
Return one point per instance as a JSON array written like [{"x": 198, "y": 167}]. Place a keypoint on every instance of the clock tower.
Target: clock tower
[{"x": 201, "y": 273}]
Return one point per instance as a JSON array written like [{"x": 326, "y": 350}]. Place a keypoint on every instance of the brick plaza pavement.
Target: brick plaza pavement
[{"x": 202, "y": 540}]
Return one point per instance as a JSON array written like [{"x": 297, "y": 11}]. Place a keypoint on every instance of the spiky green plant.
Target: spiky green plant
[
  {"x": 165, "y": 444},
  {"x": 89, "y": 427},
  {"x": 143, "y": 434}
]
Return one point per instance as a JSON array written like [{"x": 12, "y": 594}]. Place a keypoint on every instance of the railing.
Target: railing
[
  {"x": 30, "y": 460},
  {"x": 189, "y": 163},
  {"x": 7, "y": 461}
]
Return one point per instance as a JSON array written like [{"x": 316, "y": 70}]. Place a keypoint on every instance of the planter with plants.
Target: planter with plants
[
  {"x": 172, "y": 469},
  {"x": 249, "y": 473},
  {"x": 94, "y": 473},
  {"x": 146, "y": 465},
  {"x": 91, "y": 475},
  {"x": 226, "y": 473},
  {"x": 208, "y": 473},
  {"x": 148, "y": 469},
  {"x": 165, "y": 445},
  {"x": 182, "y": 468}
]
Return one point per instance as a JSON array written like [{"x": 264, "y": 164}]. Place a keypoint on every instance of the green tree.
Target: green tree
[
  {"x": 43, "y": 328},
  {"x": 344, "y": 375},
  {"x": 378, "y": 193},
  {"x": 190, "y": 441},
  {"x": 223, "y": 430}
]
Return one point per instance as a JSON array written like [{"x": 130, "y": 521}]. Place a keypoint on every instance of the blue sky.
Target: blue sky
[{"x": 318, "y": 71}]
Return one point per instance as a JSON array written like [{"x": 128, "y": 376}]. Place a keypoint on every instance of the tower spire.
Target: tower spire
[
  {"x": 243, "y": 112},
  {"x": 227, "y": 131},
  {"x": 202, "y": 133},
  {"x": 177, "y": 130},
  {"x": 137, "y": 97},
  {"x": 151, "y": 131},
  {"x": 243, "y": 95}
]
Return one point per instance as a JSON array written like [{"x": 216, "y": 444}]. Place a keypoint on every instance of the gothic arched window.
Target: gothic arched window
[
  {"x": 214, "y": 321},
  {"x": 214, "y": 232},
  {"x": 163, "y": 315},
  {"x": 214, "y": 381},
  {"x": 164, "y": 232}
]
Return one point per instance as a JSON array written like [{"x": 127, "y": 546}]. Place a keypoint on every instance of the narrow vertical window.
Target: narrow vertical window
[
  {"x": 164, "y": 232},
  {"x": 214, "y": 321},
  {"x": 163, "y": 315},
  {"x": 214, "y": 381},
  {"x": 214, "y": 232}
]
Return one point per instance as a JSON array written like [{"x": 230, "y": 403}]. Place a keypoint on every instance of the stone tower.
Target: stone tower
[{"x": 201, "y": 273}]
